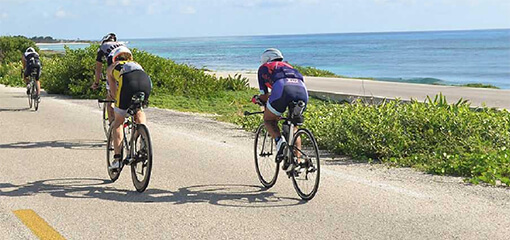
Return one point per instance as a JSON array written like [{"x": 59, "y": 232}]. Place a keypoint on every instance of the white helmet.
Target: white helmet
[
  {"x": 30, "y": 49},
  {"x": 270, "y": 55},
  {"x": 120, "y": 51},
  {"x": 109, "y": 37}
]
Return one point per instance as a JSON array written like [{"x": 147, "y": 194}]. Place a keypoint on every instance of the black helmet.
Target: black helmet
[{"x": 30, "y": 49}]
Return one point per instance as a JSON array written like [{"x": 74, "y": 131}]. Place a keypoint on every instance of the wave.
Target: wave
[{"x": 425, "y": 80}]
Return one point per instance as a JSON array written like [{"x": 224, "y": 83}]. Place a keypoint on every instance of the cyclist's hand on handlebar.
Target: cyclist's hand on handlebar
[
  {"x": 256, "y": 100},
  {"x": 95, "y": 85}
]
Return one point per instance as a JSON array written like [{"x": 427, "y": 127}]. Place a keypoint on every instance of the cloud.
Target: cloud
[
  {"x": 4, "y": 16},
  {"x": 61, "y": 13},
  {"x": 188, "y": 10}
]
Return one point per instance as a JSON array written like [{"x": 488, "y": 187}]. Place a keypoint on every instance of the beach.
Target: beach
[{"x": 346, "y": 88}]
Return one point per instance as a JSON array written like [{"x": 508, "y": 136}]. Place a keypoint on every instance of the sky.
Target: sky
[{"x": 91, "y": 19}]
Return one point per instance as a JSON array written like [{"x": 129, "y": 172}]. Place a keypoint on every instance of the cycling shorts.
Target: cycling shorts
[
  {"x": 284, "y": 92},
  {"x": 129, "y": 84}
]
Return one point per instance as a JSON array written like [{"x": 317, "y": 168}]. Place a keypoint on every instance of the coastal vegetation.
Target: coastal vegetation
[{"x": 436, "y": 137}]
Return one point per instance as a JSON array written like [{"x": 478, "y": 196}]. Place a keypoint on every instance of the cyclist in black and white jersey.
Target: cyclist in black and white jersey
[
  {"x": 108, "y": 43},
  {"x": 31, "y": 62}
]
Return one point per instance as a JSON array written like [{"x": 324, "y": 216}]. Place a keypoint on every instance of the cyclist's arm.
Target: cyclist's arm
[
  {"x": 263, "y": 75},
  {"x": 99, "y": 67},
  {"x": 24, "y": 61}
]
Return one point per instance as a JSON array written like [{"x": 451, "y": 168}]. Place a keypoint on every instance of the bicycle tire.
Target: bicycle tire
[
  {"x": 110, "y": 152},
  {"x": 106, "y": 122},
  {"x": 299, "y": 178},
  {"x": 142, "y": 164},
  {"x": 266, "y": 159}
]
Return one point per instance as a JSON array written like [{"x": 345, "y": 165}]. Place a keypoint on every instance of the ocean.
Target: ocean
[{"x": 441, "y": 57}]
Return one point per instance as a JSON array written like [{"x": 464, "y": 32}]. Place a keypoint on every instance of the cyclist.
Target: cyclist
[
  {"x": 287, "y": 85},
  {"x": 108, "y": 43},
  {"x": 126, "y": 78},
  {"x": 31, "y": 62}
]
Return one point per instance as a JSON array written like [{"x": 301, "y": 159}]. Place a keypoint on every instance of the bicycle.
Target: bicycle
[
  {"x": 303, "y": 153},
  {"x": 136, "y": 147},
  {"x": 33, "y": 97}
]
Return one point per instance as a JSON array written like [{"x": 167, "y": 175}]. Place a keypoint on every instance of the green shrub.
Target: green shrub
[
  {"x": 314, "y": 72},
  {"x": 11, "y": 48}
]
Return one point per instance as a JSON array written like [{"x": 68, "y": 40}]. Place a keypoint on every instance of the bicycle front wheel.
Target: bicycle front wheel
[
  {"x": 142, "y": 165},
  {"x": 110, "y": 152},
  {"x": 305, "y": 155},
  {"x": 265, "y": 157},
  {"x": 106, "y": 122}
]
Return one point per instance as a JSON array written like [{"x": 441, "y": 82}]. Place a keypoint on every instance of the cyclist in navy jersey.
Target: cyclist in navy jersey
[{"x": 287, "y": 85}]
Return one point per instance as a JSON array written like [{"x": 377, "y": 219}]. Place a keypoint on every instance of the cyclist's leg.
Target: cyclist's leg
[
  {"x": 117, "y": 132},
  {"x": 37, "y": 80}
]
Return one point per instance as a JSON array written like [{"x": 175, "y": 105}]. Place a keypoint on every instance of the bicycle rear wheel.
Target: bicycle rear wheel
[
  {"x": 110, "y": 152},
  {"x": 305, "y": 155},
  {"x": 265, "y": 153},
  {"x": 141, "y": 167}
]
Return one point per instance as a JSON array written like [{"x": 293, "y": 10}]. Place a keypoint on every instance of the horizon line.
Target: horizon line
[{"x": 290, "y": 34}]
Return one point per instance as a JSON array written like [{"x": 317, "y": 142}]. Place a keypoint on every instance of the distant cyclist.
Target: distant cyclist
[
  {"x": 126, "y": 78},
  {"x": 287, "y": 85},
  {"x": 108, "y": 43},
  {"x": 31, "y": 62}
]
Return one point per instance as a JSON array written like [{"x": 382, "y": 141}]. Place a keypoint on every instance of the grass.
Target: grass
[{"x": 479, "y": 85}]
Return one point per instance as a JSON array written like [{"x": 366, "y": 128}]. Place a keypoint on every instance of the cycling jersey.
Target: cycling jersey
[
  {"x": 131, "y": 78},
  {"x": 271, "y": 72},
  {"x": 33, "y": 64},
  {"x": 287, "y": 85},
  {"x": 105, "y": 49}
]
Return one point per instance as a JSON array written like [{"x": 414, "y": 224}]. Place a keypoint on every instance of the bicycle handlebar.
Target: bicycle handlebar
[
  {"x": 246, "y": 113},
  {"x": 105, "y": 101}
]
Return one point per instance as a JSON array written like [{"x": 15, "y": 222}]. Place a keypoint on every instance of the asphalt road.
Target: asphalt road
[
  {"x": 498, "y": 98},
  {"x": 204, "y": 186}
]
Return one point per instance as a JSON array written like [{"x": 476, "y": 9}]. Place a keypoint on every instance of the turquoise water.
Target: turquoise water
[{"x": 449, "y": 57}]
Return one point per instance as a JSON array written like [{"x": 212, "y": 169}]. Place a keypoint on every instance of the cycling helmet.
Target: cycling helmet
[
  {"x": 109, "y": 37},
  {"x": 270, "y": 55},
  {"x": 121, "y": 53},
  {"x": 30, "y": 49}
]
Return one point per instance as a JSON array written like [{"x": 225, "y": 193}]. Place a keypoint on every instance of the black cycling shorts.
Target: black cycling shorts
[{"x": 130, "y": 84}]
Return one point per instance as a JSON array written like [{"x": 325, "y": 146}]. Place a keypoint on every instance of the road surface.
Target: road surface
[{"x": 204, "y": 186}]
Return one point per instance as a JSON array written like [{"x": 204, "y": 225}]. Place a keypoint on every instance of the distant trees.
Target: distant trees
[{"x": 46, "y": 39}]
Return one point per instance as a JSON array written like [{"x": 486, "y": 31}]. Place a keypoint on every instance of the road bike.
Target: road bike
[
  {"x": 136, "y": 147},
  {"x": 302, "y": 153}
]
